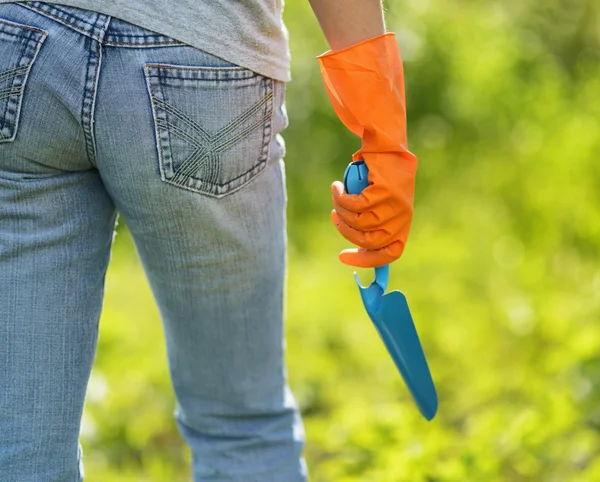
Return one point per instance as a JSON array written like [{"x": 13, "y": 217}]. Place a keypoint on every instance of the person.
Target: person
[{"x": 169, "y": 114}]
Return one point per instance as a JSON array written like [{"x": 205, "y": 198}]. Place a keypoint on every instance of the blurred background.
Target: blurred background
[{"x": 501, "y": 269}]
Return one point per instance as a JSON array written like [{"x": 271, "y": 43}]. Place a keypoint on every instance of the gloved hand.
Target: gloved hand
[{"x": 365, "y": 83}]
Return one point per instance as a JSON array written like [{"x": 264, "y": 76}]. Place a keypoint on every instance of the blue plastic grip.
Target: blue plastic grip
[{"x": 356, "y": 178}]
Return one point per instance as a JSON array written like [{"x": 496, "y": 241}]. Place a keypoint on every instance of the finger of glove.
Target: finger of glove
[
  {"x": 369, "y": 240},
  {"x": 356, "y": 203},
  {"x": 365, "y": 221},
  {"x": 364, "y": 258},
  {"x": 396, "y": 227}
]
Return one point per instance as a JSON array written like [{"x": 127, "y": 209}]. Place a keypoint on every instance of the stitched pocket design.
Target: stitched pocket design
[
  {"x": 212, "y": 125},
  {"x": 19, "y": 46}
]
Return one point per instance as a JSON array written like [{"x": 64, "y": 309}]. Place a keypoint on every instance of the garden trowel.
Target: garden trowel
[{"x": 391, "y": 316}]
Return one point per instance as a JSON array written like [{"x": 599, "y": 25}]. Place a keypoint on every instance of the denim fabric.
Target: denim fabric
[{"x": 99, "y": 116}]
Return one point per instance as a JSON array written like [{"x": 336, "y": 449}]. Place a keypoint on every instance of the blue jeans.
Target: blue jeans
[{"x": 99, "y": 116}]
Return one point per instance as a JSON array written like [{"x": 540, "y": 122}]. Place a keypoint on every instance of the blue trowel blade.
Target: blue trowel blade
[{"x": 391, "y": 316}]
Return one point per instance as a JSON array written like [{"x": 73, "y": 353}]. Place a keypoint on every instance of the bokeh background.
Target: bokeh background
[{"x": 501, "y": 270}]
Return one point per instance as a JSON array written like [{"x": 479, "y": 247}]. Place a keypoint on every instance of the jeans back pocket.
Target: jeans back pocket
[
  {"x": 212, "y": 125},
  {"x": 19, "y": 46}
]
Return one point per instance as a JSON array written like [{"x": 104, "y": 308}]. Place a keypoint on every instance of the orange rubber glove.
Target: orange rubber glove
[{"x": 365, "y": 83}]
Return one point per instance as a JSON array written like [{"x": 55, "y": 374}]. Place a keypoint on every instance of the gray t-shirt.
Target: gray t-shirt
[{"x": 249, "y": 33}]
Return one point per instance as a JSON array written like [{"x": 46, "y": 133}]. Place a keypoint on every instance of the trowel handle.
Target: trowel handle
[{"x": 356, "y": 178}]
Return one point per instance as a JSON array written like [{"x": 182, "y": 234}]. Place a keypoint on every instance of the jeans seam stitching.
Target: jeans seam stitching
[
  {"x": 226, "y": 145},
  {"x": 81, "y": 30},
  {"x": 30, "y": 52},
  {"x": 54, "y": 8}
]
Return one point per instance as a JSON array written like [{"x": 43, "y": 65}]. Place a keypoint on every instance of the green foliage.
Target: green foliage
[{"x": 501, "y": 269}]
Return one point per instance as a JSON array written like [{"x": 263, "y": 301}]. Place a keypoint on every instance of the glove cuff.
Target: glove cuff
[
  {"x": 365, "y": 83},
  {"x": 360, "y": 45}
]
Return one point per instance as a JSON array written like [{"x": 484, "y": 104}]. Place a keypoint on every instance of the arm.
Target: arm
[
  {"x": 347, "y": 22},
  {"x": 364, "y": 78}
]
